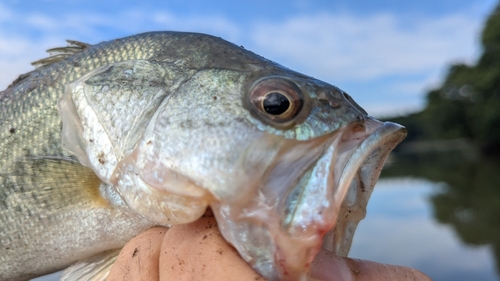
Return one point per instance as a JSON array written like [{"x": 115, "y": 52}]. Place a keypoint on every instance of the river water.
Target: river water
[
  {"x": 437, "y": 212},
  {"x": 400, "y": 228}
]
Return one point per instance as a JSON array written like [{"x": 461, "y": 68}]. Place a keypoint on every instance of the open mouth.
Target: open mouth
[{"x": 312, "y": 197}]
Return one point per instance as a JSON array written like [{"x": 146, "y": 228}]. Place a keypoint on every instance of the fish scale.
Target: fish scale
[
  {"x": 39, "y": 103},
  {"x": 29, "y": 107}
]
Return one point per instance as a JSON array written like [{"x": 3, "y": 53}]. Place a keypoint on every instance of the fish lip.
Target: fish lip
[
  {"x": 387, "y": 136},
  {"x": 358, "y": 180},
  {"x": 355, "y": 161},
  {"x": 338, "y": 240}
]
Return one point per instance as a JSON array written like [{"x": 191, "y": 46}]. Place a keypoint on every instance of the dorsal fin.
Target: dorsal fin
[
  {"x": 55, "y": 55},
  {"x": 60, "y": 53}
]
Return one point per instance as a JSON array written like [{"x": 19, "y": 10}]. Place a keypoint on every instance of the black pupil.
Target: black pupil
[{"x": 276, "y": 103}]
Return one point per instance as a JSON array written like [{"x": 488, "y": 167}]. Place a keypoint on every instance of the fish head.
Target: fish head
[
  {"x": 286, "y": 162},
  {"x": 314, "y": 186}
]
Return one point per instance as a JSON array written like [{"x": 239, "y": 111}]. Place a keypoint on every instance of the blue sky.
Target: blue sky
[{"x": 385, "y": 53}]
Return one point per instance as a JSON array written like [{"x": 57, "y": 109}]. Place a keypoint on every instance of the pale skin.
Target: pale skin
[{"x": 197, "y": 251}]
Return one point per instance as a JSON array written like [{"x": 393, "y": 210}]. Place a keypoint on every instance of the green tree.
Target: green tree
[
  {"x": 467, "y": 105},
  {"x": 486, "y": 112}
]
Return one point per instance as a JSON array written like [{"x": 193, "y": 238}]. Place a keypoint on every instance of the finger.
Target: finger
[
  {"x": 368, "y": 270},
  {"x": 327, "y": 266},
  {"x": 197, "y": 251},
  {"x": 138, "y": 260}
]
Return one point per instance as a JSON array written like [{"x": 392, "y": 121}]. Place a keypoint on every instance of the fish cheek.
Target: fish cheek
[{"x": 105, "y": 139}]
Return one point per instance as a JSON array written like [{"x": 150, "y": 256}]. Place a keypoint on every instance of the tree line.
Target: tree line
[{"x": 467, "y": 104}]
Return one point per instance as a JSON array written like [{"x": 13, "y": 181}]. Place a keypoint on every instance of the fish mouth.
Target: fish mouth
[
  {"x": 357, "y": 181},
  {"x": 312, "y": 197}
]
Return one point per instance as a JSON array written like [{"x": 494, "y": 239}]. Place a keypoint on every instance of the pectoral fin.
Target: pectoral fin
[
  {"x": 95, "y": 268},
  {"x": 53, "y": 214}
]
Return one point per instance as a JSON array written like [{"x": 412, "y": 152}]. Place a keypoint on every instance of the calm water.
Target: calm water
[
  {"x": 439, "y": 213},
  {"x": 400, "y": 228}
]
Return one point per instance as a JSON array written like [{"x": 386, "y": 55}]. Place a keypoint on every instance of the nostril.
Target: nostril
[
  {"x": 358, "y": 128},
  {"x": 334, "y": 104}
]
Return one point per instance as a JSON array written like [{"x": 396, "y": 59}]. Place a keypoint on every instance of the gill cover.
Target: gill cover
[{"x": 105, "y": 114}]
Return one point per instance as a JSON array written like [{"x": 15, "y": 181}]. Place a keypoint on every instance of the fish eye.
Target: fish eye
[
  {"x": 275, "y": 103},
  {"x": 277, "y": 99}
]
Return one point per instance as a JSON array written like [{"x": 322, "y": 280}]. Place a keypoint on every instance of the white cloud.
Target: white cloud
[
  {"x": 19, "y": 49},
  {"x": 337, "y": 48},
  {"x": 409, "y": 88},
  {"x": 389, "y": 108},
  {"x": 43, "y": 22},
  {"x": 16, "y": 54},
  {"x": 347, "y": 47}
]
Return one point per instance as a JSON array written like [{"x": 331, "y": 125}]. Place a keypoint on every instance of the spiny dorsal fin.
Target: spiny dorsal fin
[
  {"x": 56, "y": 55},
  {"x": 60, "y": 53}
]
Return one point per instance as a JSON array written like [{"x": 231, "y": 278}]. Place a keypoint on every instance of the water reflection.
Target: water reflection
[
  {"x": 400, "y": 229},
  {"x": 469, "y": 198}
]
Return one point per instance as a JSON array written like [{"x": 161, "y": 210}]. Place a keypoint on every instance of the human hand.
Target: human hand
[{"x": 197, "y": 251}]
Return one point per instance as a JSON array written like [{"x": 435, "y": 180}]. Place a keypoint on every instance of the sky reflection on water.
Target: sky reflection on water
[{"x": 400, "y": 229}]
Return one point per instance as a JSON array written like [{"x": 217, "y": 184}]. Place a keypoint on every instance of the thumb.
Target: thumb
[{"x": 327, "y": 266}]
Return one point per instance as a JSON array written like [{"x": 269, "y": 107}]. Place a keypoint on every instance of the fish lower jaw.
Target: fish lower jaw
[
  {"x": 281, "y": 229},
  {"x": 295, "y": 256},
  {"x": 276, "y": 253}
]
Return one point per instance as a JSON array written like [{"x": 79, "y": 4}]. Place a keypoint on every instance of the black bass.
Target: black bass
[{"x": 103, "y": 141}]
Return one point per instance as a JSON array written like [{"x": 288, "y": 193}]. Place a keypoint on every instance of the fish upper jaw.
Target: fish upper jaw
[
  {"x": 316, "y": 203},
  {"x": 358, "y": 181}
]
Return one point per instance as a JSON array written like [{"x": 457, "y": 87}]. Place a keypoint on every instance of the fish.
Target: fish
[{"x": 101, "y": 142}]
